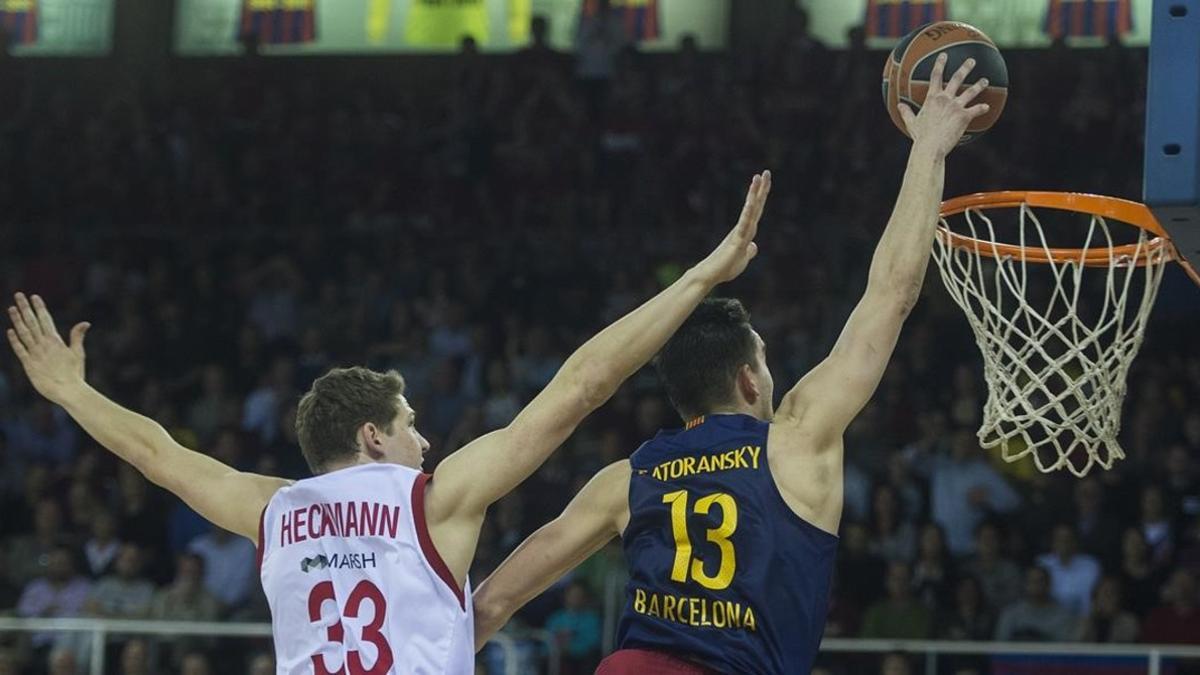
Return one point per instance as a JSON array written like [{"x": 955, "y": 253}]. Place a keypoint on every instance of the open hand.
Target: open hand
[
  {"x": 944, "y": 115},
  {"x": 53, "y": 367},
  {"x": 736, "y": 250}
]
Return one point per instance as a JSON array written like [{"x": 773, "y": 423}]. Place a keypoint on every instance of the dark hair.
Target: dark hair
[
  {"x": 698, "y": 366},
  {"x": 337, "y": 405}
]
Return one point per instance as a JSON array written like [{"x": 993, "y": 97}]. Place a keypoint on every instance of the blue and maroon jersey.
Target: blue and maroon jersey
[
  {"x": 897, "y": 18},
  {"x": 1076, "y": 18},
  {"x": 640, "y": 17},
  {"x": 277, "y": 22},
  {"x": 722, "y": 571},
  {"x": 19, "y": 19}
]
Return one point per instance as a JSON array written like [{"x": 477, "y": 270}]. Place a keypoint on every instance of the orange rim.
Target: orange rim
[{"x": 1124, "y": 210}]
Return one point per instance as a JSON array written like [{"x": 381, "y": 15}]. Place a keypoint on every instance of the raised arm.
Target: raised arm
[
  {"x": 468, "y": 481},
  {"x": 831, "y": 395},
  {"x": 228, "y": 498},
  {"x": 597, "y": 514}
]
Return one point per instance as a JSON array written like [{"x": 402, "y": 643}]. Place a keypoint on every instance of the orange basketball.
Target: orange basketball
[{"x": 908, "y": 69}]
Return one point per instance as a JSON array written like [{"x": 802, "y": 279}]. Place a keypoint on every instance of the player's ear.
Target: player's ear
[
  {"x": 371, "y": 441},
  {"x": 747, "y": 384}
]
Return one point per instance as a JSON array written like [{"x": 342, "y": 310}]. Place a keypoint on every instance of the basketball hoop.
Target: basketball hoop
[{"x": 1055, "y": 356}]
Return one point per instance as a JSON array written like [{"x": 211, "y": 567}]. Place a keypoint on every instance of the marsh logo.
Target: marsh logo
[
  {"x": 317, "y": 562},
  {"x": 338, "y": 561}
]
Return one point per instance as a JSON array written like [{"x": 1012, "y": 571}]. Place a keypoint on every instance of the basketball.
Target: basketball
[{"x": 908, "y": 68}]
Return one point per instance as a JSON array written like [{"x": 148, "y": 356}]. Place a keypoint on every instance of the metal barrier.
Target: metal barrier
[
  {"x": 1153, "y": 654},
  {"x": 553, "y": 653},
  {"x": 100, "y": 629}
]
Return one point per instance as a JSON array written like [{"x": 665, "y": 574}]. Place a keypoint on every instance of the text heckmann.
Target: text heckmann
[{"x": 340, "y": 519}]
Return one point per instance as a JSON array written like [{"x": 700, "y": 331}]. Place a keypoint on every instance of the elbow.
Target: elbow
[
  {"x": 899, "y": 293},
  {"x": 906, "y": 300},
  {"x": 488, "y": 610},
  {"x": 147, "y": 459},
  {"x": 491, "y": 614},
  {"x": 589, "y": 385}
]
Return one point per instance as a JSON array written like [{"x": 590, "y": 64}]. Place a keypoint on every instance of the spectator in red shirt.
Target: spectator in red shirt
[{"x": 1178, "y": 621}]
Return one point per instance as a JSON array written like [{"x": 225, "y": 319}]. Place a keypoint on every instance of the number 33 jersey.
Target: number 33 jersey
[
  {"x": 353, "y": 580},
  {"x": 722, "y": 571}
]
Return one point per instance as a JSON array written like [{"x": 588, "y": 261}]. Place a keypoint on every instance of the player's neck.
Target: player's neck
[
  {"x": 358, "y": 460},
  {"x": 742, "y": 408}
]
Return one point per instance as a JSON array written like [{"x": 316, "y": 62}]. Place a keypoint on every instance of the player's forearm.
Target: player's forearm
[
  {"x": 904, "y": 249},
  {"x": 506, "y": 591},
  {"x": 617, "y": 352},
  {"x": 523, "y": 576},
  {"x": 555, "y": 549},
  {"x": 134, "y": 438}
]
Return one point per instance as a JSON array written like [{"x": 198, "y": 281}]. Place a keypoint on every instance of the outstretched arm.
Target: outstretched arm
[
  {"x": 596, "y": 515},
  {"x": 228, "y": 498},
  {"x": 468, "y": 481},
  {"x": 831, "y": 395}
]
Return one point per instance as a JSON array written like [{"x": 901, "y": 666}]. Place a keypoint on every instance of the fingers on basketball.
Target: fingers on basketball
[
  {"x": 959, "y": 77},
  {"x": 970, "y": 93},
  {"x": 977, "y": 110},
  {"x": 935, "y": 77}
]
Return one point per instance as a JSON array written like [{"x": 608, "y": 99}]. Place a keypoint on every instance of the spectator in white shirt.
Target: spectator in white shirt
[
  {"x": 964, "y": 490},
  {"x": 1072, "y": 574}
]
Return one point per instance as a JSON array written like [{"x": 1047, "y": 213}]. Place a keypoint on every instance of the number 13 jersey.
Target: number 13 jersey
[
  {"x": 353, "y": 580},
  {"x": 722, "y": 571}
]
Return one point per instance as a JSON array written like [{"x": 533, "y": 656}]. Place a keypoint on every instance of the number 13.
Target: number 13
[{"x": 719, "y": 536}]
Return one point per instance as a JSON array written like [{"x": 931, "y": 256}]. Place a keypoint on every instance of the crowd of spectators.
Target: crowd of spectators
[{"x": 233, "y": 236}]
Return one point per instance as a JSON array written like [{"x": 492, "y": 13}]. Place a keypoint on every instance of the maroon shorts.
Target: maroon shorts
[{"x": 646, "y": 662}]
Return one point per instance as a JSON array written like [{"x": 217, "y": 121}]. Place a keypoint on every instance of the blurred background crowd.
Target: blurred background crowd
[{"x": 233, "y": 235}]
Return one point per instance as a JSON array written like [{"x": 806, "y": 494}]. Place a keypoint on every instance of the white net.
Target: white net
[{"x": 1057, "y": 338}]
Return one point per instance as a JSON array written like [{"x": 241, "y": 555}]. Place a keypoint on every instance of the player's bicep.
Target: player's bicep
[
  {"x": 833, "y": 393},
  {"x": 230, "y": 499}
]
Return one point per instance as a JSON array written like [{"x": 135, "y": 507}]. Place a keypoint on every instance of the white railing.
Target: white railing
[
  {"x": 1153, "y": 654},
  {"x": 99, "y": 631}
]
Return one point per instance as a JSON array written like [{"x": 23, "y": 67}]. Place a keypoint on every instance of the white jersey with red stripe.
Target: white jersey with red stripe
[{"x": 353, "y": 580}]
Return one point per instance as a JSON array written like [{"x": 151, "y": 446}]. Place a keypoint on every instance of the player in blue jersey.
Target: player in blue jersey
[{"x": 729, "y": 524}]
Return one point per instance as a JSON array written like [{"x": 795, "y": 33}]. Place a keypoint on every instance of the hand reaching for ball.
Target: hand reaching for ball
[{"x": 946, "y": 111}]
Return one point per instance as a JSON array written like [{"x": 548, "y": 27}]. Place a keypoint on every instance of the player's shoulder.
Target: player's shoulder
[
  {"x": 796, "y": 433},
  {"x": 614, "y": 476},
  {"x": 608, "y": 493},
  {"x": 608, "y": 490}
]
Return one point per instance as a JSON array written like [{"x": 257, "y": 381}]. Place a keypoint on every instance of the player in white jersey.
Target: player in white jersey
[
  {"x": 365, "y": 565},
  {"x": 346, "y": 536}
]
